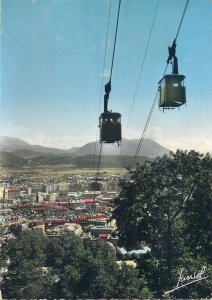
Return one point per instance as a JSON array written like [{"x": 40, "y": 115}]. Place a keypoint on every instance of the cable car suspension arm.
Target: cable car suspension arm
[
  {"x": 172, "y": 57},
  {"x": 106, "y": 96}
]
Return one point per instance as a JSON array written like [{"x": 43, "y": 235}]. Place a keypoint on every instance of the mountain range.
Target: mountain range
[{"x": 16, "y": 152}]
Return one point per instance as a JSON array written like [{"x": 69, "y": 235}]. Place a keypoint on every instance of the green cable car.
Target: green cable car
[{"x": 172, "y": 92}]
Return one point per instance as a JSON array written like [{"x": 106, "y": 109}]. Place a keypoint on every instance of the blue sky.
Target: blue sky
[{"x": 52, "y": 54}]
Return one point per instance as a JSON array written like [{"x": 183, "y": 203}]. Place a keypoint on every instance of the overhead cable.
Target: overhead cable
[
  {"x": 114, "y": 46},
  {"x": 139, "y": 77}
]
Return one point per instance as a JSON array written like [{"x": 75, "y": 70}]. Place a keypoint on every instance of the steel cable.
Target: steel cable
[{"x": 139, "y": 77}]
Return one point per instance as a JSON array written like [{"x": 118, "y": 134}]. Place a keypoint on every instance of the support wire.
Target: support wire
[{"x": 139, "y": 78}]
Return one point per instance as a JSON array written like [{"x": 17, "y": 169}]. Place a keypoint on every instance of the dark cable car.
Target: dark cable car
[
  {"x": 110, "y": 127},
  {"x": 109, "y": 122},
  {"x": 171, "y": 87}
]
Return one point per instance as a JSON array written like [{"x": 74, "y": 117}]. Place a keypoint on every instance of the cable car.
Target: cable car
[
  {"x": 172, "y": 92},
  {"x": 109, "y": 122},
  {"x": 110, "y": 127}
]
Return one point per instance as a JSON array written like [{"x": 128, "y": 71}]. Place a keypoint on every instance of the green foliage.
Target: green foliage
[
  {"x": 166, "y": 203},
  {"x": 26, "y": 255},
  {"x": 131, "y": 285},
  {"x": 26, "y": 281},
  {"x": 16, "y": 229},
  {"x": 3, "y": 256},
  {"x": 72, "y": 271},
  {"x": 99, "y": 274},
  {"x": 2, "y": 230},
  {"x": 192, "y": 265},
  {"x": 29, "y": 245}
]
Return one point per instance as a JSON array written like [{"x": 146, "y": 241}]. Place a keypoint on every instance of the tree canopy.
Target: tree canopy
[
  {"x": 62, "y": 267},
  {"x": 166, "y": 203}
]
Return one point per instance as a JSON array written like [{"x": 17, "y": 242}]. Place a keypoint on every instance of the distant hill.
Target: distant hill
[
  {"x": 51, "y": 159},
  {"x": 108, "y": 161},
  {"x": 10, "y": 144},
  {"x": 26, "y": 153},
  {"x": 21, "y": 148},
  {"x": 15, "y": 152},
  {"x": 149, "y": 148},
  {"x": 84, "y": 161},
  {"x": 9, "y": 160}
]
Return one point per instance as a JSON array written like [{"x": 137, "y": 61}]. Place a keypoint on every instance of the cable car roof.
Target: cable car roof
[
  {"x": 110, "y": 114},
  {"x": 181, "y": 77}
]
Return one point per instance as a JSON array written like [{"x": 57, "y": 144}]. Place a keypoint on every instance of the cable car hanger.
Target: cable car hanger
[{"x": 172, "y": 56}]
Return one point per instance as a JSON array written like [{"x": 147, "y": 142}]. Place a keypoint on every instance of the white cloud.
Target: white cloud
[
  {"x": 199, "y": 142},
  {"x": 62, "y": 142},
  {"x": 132, "y": 134},
  {"x": 9, "y": 129},
  {"x": 155, "y": 133}
]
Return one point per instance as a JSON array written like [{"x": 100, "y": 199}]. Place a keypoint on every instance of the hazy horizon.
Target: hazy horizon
[{"x": 105, "y": 147}]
